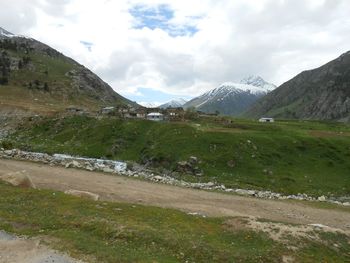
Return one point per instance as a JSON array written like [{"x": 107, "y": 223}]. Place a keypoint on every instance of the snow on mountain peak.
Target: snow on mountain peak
[
  {"x": 5, "y": 33},
  {"x": 148, "y": 104},
  {"x": 239, "y": 87},
  {"x": 258, "y": 81},
  {"x": 175, "y": 103}
]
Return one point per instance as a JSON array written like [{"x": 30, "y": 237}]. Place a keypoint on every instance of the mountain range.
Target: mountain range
[
  {"x": 320, "y": 94},
  {"x": 175, "y": 103},
  {"x": 36, "y": 77},
  {"x": 232, "y": 98}
]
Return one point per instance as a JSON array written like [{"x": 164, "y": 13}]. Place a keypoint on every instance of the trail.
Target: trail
[{"x": 123, "y": 189}]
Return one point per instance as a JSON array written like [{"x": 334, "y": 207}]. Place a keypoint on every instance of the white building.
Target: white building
[
  {"x": 155, "y": 116},
  {"x": 266, "y": 120}
]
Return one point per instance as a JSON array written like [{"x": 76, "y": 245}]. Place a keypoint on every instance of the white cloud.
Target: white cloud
[{"x": 276, "y": 39}]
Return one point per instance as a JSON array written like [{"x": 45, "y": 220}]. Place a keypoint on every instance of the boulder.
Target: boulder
[
  {"x": 83, "y": 194},
  {"x": 107, "y": 170},
  {"x": 19, "y": 179},
  {"x": 73, "y": 164},
  {"x": 193, "y": 160},
  {"x": 322, "y": 198}
]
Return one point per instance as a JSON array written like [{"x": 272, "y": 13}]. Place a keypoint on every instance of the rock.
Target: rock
[
  {"x": 19, "y": 179},
  {"x": 107, "y": 170},
  {"x": 158, "y": 178},
  {"x": 193, "y": 160},
  {"x": 73, "y": 164},
  {"x": 346, "y": 204},
  {"x": 322, "y": 198},
  {"x": 84, "y": 194},
  {"x": 8, "y": 152},
  {"x": 120, "y": 167},
  {"x": 245, "y": 192}
]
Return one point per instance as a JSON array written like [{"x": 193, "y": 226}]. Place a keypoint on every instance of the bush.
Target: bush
[{"x": 7, "y": 145}]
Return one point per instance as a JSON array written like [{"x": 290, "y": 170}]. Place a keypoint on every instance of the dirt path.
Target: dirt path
[
  {"x": 122, "y": 189},
  {"x": 18, "y": 250}
]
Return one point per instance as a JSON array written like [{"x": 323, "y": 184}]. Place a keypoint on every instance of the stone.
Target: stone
[
  {"x": 89, "y": 168},
  {"x": 193, "y": 160},
  {"x": 107, "y": 170},
  {"x": 158, "y": 178},
  {"x": 83, "y": 194},
  {"x": 322, "y": 198},
  {"x": 73, "y": 164}
]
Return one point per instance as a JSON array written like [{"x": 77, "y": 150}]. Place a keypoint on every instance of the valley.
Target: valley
[{"x": 88, "y": 175}]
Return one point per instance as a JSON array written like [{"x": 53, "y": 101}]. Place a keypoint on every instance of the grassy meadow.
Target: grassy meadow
[{"x": 287, "y": 156}]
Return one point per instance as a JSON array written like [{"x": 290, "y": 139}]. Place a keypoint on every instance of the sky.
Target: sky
[{"x": 157, "y": 50}]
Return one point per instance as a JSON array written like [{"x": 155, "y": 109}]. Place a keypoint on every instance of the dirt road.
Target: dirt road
[{"x": 122, "y": 189}]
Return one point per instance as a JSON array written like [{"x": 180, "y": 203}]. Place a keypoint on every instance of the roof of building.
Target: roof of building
[{"x": 155, "y": 114}]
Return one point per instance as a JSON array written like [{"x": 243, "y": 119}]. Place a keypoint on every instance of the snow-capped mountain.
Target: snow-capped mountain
[
  {"x": 5, "y": 34},
  {"x": 176, "y": 103},
  {"x": 148, "y": 104},
  {"x": 258, "y": 82},
  {"x": 231, "y": 98}
]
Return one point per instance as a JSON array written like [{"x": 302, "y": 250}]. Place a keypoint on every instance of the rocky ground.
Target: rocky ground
[{"x": 15, "y": 249}]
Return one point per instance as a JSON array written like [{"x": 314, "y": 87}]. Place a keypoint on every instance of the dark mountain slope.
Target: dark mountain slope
[
  {"x": 36, "y": 77},
  {"x": 322, "y": 93}
]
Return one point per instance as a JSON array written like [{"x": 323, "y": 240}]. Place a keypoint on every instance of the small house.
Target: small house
[
  {"x": 155, "y": 116},
  {"x": 141, "y": 113},
  {"x": 266, "y": 119}
]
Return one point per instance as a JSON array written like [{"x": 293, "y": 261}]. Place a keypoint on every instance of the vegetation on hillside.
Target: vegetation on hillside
[{"x": 287, "y": 156}]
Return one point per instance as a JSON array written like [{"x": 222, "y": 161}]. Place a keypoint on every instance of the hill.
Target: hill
[
  {"x": 320, "y": 94},
  {"x": 231, "y": 98},
  {"x": 35, "y": 77}
]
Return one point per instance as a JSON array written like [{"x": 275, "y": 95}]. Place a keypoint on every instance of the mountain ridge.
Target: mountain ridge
[
  {"x": 231, "y": 98},
  {"x": 174, "y": 103},
  {"x": 34, "y": 76},
  {"x": 322, "y": 93}
]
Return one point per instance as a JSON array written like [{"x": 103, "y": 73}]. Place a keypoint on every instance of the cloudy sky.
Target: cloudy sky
[{"x": 154, "y": 50}]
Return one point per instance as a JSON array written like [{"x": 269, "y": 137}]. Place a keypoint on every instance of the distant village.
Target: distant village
[
  {"x": 130, "y": 112},
  {"x": 152, "y": 114}
]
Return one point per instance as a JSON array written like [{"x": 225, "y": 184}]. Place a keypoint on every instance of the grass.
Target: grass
[
  {"x": 288, "y": 156},
  {"x": 113, "y": 232}
]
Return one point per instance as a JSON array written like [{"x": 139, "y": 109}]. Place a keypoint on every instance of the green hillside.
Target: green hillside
[
  {"x": 287, "y": 156},
  {"x": 35, "y": 77}
]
